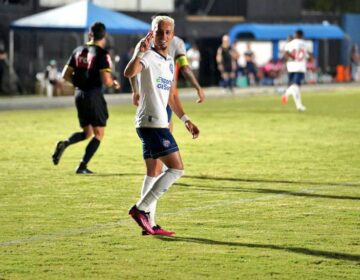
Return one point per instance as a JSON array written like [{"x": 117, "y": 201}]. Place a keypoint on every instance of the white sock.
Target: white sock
[
  {"x": 164, "y": 168},
  {"x": 290, "y": 91},
  {"x": 162, "y": 184},
  {"x": 297, "y": 97},
  {"x": 147, "y": 184},
  {"x": 152, "y": 213}
]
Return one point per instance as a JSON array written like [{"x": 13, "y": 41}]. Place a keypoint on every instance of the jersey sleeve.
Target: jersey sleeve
[
  {"x": 105, "y": 63},
  {"x": 180, "y": 48},
  {"x": 145, "y": 60},
  {"x": 71, "y": 61}
]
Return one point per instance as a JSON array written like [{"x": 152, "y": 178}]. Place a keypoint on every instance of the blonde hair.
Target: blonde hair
[{"x": 157, "y": 19}]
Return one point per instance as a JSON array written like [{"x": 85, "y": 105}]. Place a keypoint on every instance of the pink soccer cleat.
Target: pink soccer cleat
[
  {"x": 141, "y": 218},
  {"x": 284, "y": 99},
  {"x": 159, "y": 231}
]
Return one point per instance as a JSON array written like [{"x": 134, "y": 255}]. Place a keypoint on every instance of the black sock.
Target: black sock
[
  {"x": 90, "y": 151},
  {"x": 76, "y": 137}
]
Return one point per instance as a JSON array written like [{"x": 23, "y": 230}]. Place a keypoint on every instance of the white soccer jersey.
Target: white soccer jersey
[
  {"x": 155, "y": 83},
  {"x": 177, "y": 47},
  {"x": 298, "y": 48}
]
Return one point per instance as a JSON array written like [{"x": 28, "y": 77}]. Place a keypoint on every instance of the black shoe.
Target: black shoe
[
  {"x": 59, "y": 149},
  {"x": 84, "y": 170}
]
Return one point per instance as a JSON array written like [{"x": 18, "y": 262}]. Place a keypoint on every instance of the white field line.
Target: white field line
[{"x": 93, "y": 228}]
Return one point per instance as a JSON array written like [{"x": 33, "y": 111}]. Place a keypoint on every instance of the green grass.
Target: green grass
[{"x": 269, "y": 193}]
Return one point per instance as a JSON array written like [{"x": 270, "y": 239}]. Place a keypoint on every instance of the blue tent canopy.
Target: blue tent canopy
[
  {"x": 277, "y": 32},
  {"x": 270, "y": 32},
  {"x": 78, "y": 17}
]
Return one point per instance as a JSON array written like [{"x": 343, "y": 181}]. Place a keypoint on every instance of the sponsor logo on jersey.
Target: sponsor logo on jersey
[
  {"x": 163, "y": 83},
  {"x": 84, "y": 59}
]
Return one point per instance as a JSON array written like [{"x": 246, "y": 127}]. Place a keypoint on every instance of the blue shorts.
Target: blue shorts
[
  {"x": 296, "y": 78},
  {"x": 156, "y": 142},
  {"x": 169, "y": 112}
]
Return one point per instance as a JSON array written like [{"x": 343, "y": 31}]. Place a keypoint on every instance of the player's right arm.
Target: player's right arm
[
  {"x": 134, "y": 66},
  {"x": 290, "y": 55},
  {"x": 290, "y": 52},
  {"x": 67, "y": 73},
  {"x": 189, "y": 75},
  {"x": 182, "y": 61},
  {"x": 219, "y": 59},
  {"x": 135, "y": 90}
]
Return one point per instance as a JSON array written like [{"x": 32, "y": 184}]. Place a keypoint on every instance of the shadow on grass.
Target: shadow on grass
[
  {"x": 267, "y": 191},
  {"x": 297, "y": 250},
  {"x": 117, "y": 174},
  {"x": 249, "y": 180},
  {"x": 244, "y": 180},
  {"x": 257, "y": 190}
]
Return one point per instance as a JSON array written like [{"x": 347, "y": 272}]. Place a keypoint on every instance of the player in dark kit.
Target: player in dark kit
[{"x": 88, "y": 69}]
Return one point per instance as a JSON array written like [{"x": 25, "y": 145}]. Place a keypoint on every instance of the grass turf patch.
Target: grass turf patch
[{"x": 269, "y": 193}]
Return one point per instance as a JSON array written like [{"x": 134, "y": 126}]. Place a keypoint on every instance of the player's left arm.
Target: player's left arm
[
  {"x": 106, "y": 76},
  {"x": 108, "y": 81},
  {"x": 189, "y": 75},
  {"x": 176, "y": 106},
  {"x": 309, "y": 55}
]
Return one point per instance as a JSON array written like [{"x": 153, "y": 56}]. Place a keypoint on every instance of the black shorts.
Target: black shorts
[{"x": 91, "y": 107}]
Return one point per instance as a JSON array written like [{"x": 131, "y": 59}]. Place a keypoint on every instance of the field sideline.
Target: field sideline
[{"x": 269, "y": 193}]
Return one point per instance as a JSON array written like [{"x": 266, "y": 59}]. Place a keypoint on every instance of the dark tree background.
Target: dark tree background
[{"x": 352, "y": 6}]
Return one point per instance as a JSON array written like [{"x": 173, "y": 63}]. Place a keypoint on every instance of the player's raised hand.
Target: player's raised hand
[
  {"x": 193, "y": 129},
  {"x": 146, "y": 42}
]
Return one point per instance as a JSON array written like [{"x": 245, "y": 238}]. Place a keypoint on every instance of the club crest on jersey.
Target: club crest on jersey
[
  {"x": 166, "y": 143},
  {"x": 171, "y": 67}
]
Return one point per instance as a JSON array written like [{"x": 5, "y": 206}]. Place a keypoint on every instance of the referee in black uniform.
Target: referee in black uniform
[{"x": 88, "y": 69}]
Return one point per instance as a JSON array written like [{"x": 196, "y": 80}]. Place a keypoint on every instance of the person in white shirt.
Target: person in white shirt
[
  {"x": 296, "y": 54},
  {"x": 156, "y": 90},
  {"x": 177, "y": 50},
  {"x": 52, "y": 75},
  {"x": 193, "y": 55}
]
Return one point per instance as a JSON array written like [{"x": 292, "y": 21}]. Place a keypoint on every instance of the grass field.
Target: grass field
[{"x": 269, "y": 193}]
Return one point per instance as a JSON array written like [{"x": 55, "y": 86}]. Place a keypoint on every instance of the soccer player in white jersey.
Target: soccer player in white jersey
[
  {"x": 177, "y": 50},
  {"x": 297, "y": 54},
  {"x": 156, "y": 87}
]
